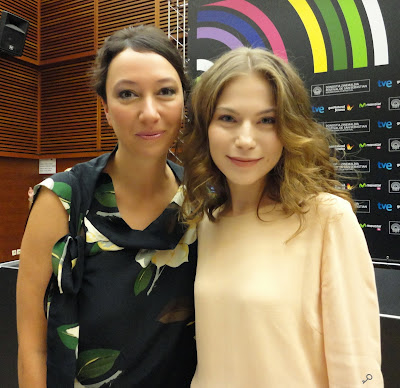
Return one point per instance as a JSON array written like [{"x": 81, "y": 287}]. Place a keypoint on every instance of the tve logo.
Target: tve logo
[
  {"x": 387, "y": 84},
  {"x": 385, "y": 206},
  {"x": 386, "y": 165},
  {"x": 318, "y": 109},
  {"x": 385, "y": 124}
]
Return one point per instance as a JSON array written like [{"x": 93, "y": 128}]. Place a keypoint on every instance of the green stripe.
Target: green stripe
[
  {"x": 335, "y": 32},
  {"x": 356, "y": 32}
]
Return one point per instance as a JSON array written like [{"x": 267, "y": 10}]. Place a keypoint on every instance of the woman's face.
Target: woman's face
[
  {"x": 144, "y": 102},
  {"x": 242, "y": 134}
]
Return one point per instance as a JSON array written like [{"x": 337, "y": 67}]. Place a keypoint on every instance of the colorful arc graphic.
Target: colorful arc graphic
[
  {"x": 314, "y": 34},
  {"x": 335, "y": 32},
  {"x": 356, "y": 32},
  {"x": 218, "y": 34},
  {"x": 261, "y": 20},
  {"x": 379, "y": 37},
  {"x": 234, "y": 22},
  {"x": 330, "y": 18},
  {"x": 203, "y": 64}
]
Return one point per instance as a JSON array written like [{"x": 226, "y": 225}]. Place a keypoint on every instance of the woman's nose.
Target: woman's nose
[
  {"x": 245, "y": 138},
  {"x": 149, "y": 111}
]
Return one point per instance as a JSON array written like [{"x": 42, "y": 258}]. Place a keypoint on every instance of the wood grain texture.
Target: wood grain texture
[{"x": 47, "y": 109}]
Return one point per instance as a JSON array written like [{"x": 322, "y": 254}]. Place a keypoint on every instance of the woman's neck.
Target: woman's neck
[
  {"x": 246, "y": 199},
  {"x": 243, "y": 200},
  {"x": 142, "y": 175}
]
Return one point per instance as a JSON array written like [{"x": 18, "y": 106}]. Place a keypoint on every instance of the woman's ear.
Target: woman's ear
[{"x": 106, "y": 111}]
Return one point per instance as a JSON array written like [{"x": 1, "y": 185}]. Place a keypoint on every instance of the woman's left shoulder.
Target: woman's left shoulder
[{"x": 329, "y": 205}]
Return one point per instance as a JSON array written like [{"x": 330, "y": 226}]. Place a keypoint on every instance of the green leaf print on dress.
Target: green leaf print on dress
[
  {"x": 57, "y": 256},
  {"x": 168, "y": 257},
  {"x": 69, "y": 335},
  {"x": 63, "y": 191},
  {"x": 96, "y": 237},
  {"x": 105, "y": 195},
  {"x": 143, "y": 279},
  {"x": 178, "y": 309},
  {"x": 95, "y": 363}
]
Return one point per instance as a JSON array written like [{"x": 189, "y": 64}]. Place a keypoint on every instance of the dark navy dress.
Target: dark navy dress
[{"x": 120, "y": 302}]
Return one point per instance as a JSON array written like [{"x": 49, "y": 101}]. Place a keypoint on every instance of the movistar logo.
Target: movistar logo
[
  {"x": 362, "y": 145},
  {"x": 362, "y": 105},
  {"x": 362, "y": 185},
  {"x": 363, "y": 225}
]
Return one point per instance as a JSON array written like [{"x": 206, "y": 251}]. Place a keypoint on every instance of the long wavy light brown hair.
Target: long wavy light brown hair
[{"x": 306, "y": 167}]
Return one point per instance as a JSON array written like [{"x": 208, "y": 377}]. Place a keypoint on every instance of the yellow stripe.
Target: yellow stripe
[{"x": 314, "y": 34}]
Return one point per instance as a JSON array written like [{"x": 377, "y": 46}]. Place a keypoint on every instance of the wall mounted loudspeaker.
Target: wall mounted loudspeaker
[{"x": 13, "y": 31}]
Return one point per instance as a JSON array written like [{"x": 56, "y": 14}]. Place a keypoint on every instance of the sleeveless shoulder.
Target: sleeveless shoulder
[{"x": 75, "y": 188}]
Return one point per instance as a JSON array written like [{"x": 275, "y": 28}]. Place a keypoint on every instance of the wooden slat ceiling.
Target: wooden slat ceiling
[
  {"x": 115, "y": 14},
  {"x": 67, "y": 28},
  {"x": 68, "y": 110},
  {"x": 18, "y": 107},
  {"x": 28, "y": 10},
  {"x": 70, "y": 118},
  {"x": 108, "y": 139}
]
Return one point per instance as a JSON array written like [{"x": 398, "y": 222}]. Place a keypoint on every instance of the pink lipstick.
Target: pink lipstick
[
  {"x": 244, "y": 162},
  {"x": 149, "y": 135}
]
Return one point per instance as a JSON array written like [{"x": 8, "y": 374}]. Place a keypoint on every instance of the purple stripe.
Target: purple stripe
[{"x": 220, "y": 35}]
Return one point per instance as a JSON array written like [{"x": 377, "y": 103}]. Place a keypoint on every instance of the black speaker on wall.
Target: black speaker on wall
[{"x": 13, "y": 31}]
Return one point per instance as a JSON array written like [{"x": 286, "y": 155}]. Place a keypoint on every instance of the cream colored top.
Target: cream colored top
[{"x": 276, "y": 315}]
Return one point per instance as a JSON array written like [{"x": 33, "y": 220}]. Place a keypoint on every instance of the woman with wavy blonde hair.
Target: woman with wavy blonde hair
[{"x": 285, "y": 292}]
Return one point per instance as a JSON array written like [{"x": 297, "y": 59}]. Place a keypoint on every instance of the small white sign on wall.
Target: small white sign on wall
[{"x": 47, "y": 166}]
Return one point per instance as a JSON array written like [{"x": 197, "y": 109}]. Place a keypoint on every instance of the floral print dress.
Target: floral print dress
[{"x": 120, "y": 303}]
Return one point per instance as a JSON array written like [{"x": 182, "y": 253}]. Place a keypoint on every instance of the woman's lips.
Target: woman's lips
[
  {"x": 150, "y": 135},
  {"x": 244, "y": 162}
]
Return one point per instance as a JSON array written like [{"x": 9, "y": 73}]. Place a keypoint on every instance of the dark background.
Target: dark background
[{"x": 370, "y": 147}]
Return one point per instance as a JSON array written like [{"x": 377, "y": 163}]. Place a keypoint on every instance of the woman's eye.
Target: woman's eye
[
  {"x": 167, "y": 92},
  {"x": 124, "y": 94},
  {"x": 226, "y": 118},
  {"x": 268, "y": 120}
]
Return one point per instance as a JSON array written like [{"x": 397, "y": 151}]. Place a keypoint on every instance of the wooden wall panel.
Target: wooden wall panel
[
  {"x": 18, "y": 107},
  {"x": 67, "y": 29},
  {"x": 68, "y": 110},
  {"x": 116, "y": 14},
  {"x": 107, "y": 135},
  {"x": 28, "y": 10},
  {"x": 16, "y": 176},
  {"x": 70, "y": 119}
]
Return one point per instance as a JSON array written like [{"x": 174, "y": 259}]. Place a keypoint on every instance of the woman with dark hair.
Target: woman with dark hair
[
  {"x": 285, "y": 293},
  {"x": 119, "y": 303}
]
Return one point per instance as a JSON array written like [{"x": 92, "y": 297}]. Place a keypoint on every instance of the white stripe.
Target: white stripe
[
  {"x": 60, "y": 265},
  {"x": 390, "y": 264},
  {"x": 389, "y": 316},
  {"x": 379, "y": 38},
  {"x": 203, "y": 64}
]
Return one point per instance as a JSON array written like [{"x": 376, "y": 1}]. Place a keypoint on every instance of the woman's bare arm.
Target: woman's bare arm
[{"x": 48, "y": 222}]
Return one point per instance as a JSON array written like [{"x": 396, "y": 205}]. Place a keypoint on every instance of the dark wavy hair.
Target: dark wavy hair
[
  {"x": 142, "y": 38},
  {"x": 306, "y": 167}
]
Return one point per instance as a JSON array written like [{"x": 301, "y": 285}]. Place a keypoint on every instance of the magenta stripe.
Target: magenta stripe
[
  {"x": 261, "y": 20},
  {"x": 220, "y": 35}
]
